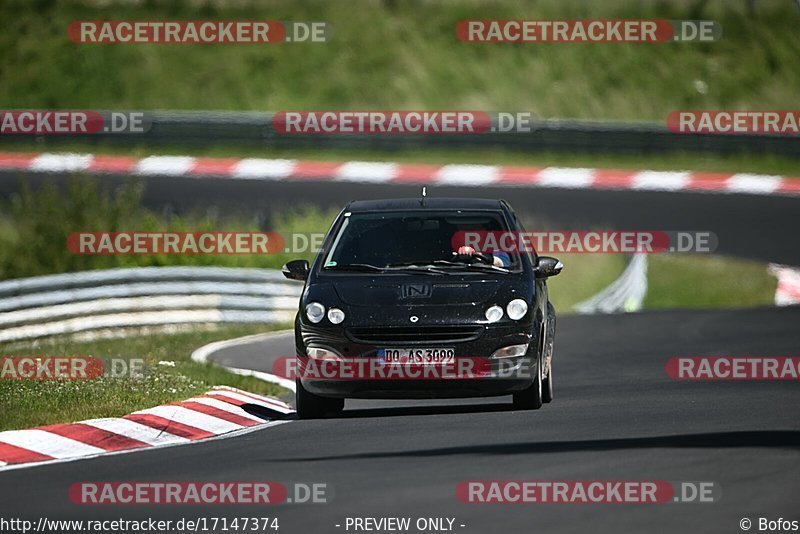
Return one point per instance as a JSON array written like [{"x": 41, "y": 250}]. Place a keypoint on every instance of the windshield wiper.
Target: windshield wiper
[
  {"x": 356, "y": 267},
  {"x": 414, "y": 268},
  {"x": 465, "y": 265},
  {"x": 398, "y": 268}
]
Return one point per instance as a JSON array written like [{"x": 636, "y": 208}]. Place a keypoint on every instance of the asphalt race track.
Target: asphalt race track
[{"x": 616, "y": 416}]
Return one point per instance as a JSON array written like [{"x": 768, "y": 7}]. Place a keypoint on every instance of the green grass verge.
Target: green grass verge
[
  {"x": 404, "y": 55},
  {"x": 35, "y": 224},
  {"x": 674, "y": 281},
  {"x": 27, "y": 403},
  {"x": 584, "y": 275},
  {"x": 699, "y": 281}
]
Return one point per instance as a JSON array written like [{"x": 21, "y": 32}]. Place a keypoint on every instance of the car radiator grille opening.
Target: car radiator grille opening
[{"x": 413, "y": 335}]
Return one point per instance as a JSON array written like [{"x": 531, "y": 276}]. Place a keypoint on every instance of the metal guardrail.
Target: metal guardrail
[
  {"x": 141, "y": 297},
  {"x": 254, "y": 129},
  {"x": 625, "y": 294}
]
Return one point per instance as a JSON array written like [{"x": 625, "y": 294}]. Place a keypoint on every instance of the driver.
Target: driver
[{"x": 499, "y": 258}]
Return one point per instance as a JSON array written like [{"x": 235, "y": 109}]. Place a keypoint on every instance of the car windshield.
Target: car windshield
[{"x": 399, "y": 239}]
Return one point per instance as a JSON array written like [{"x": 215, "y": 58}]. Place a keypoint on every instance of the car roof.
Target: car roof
[{"x": 422, "y": 204}]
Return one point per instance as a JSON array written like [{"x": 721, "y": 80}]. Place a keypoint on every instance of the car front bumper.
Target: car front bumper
[{"x": 507, "y": 375}]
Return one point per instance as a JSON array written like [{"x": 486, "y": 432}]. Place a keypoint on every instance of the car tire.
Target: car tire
[
  {"x": 547, "y": 386},
  {"x": 547, "y": 381},
  {"x": 310, "y": 406},
  {"x": 530, "y": 398}
]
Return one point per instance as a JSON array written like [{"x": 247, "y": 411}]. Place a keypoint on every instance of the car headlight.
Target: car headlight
[
  {"x": 335, "y": 315},
  {"x": 517, "y": 309},
  {"x": 494, "y": 314},
  {"x": 315, "y": 312},
  {"x": 512, "y": 351},
  {"x": 323, "y": 354}
]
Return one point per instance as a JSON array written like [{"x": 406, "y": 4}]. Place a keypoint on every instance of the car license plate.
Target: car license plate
[{"x": 416, "y": 355}]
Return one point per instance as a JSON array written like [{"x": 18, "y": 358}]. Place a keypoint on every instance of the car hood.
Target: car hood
[{"x": 416, "y": 291}]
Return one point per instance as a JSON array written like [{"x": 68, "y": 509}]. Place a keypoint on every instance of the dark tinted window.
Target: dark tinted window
[{"x": 383, "y": 239}]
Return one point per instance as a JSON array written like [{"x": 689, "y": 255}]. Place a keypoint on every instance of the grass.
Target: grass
[
  {"x": 27, "y": 403},
  {"x": 674, "y": 281},
  {"x": 698, "y": 281},
  {"x": 404, "y": 55},
  {"x": 584, "y": 275},
  {"x": 35, "y": 224}
]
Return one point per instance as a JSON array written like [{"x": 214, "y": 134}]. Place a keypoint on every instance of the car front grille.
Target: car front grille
[{"x": 413, "y": 335}]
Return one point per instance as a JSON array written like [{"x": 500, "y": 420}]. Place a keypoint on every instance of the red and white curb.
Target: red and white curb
[
  {"x": 214, "y": 414},
  {"x": 404, "y": 173},
  {"x": 788, "y": 291}
]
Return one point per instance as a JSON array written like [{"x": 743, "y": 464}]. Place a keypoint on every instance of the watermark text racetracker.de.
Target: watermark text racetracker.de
[
  {"x": 587, "y": 492},
  {"x": 753, "y": 122},
  {"x": 734, "y": 368},
  {"x": 587, "y": 241},
  {"x": 404, "y": 122},
  {"x": 382, "y": 122},
  {"x": 104, "y": 243},
  {"x": 69, "y": 368},
  {"x": 587, "y": 31},
  {"x": 73, "y": 122},
  {"x": 199, "y": 492},
  {"x": 542, "y": 242},
  {"x": 205, "y": 32},
  {"x": 390, "y": 364}
]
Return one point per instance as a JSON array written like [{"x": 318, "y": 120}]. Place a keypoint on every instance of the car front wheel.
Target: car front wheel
[
  {"x": 310, "y": 406},
  {"x": 531, "y": 397}
]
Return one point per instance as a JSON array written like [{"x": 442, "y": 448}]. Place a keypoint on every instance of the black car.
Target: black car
[{"x": 391, "y": 286}]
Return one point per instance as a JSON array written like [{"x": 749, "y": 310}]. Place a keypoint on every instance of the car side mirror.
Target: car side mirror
[
  {"x": 295, "y": 270},
  {"x": 547, "y": 266}
]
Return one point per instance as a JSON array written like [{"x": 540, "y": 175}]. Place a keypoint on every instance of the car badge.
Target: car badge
[
  {"x": 411, "y": 291},
  {"x": 414, "y": 318}
]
